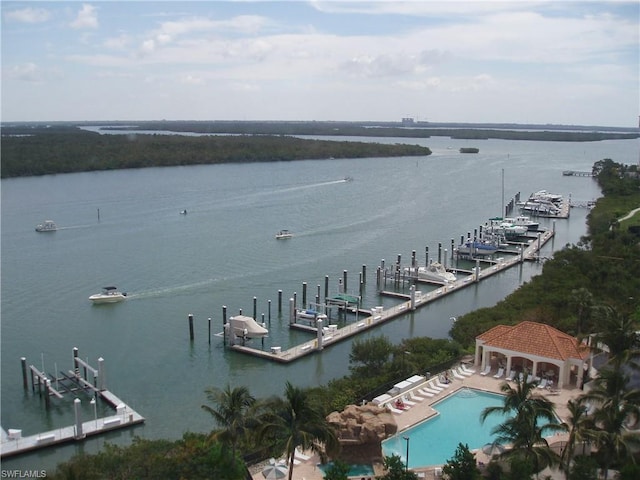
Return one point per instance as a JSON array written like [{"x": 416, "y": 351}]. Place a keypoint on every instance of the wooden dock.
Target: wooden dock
[{"x": 410, "y": 303}]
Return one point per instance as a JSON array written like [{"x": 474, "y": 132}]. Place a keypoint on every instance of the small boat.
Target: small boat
[
  {"x": 477, "y": 248},
  {"x": 183, "y": 212},
  {"x": 544, "y": 195},
  {"x": 540, "y": 207},
  {"x": 108, "y": 295},
  {"x": 507, "y": 229},
  {"x": 523, "y": 221},
  {"x": 435, "y": 272},
  {"x": 47, "y": 226},
  {"x": 310, "y": 314},
  {"x": 282, "y": 234},
  {"x": 469, "y": 150}
]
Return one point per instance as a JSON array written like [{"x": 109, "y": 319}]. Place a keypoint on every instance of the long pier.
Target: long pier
[
  {"x": 416, "y": 299},
  {"x": 13, "y": 443}
]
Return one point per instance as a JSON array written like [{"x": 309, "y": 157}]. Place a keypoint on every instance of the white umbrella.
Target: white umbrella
[{"x": 275, "y": 471}]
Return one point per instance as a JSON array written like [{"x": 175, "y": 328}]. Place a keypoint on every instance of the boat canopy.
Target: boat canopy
[{"x": 243, "y": 326}]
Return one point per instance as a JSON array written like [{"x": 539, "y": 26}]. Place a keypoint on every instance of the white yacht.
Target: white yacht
[{"x": 108, "y": 295}]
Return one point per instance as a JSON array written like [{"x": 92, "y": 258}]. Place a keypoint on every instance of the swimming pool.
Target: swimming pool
[
  {"x": 434, "y": 441},
  {"x": 355, "y": 470}
]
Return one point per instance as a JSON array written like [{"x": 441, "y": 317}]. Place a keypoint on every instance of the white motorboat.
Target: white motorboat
[
  {"x": 108, "y": 295},
  {"x": 310, "y": 314},
  {"x": 544, "y": 195},
  {"x": 47, "y": 226},
  {"x": 508, "y": 229},
  {"x": 435, "y": 272},
  {"x": 523, "y": 221},
  {"x": 540, "y": 207},
  {"x": 283, "y": 234}
]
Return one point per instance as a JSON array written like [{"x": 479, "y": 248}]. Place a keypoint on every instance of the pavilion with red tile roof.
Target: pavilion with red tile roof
[{"x": 534, "y": 348}]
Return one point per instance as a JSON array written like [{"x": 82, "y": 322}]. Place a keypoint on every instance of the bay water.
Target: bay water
[{"x": 124, "y": 228}]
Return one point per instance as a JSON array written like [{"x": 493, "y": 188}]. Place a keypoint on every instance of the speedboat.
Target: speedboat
[
  {"x": 477, "y": 248},
  {"x": 523, "y": 221},
  {"x": 544, "y": 195},
  {"x": 310, "y": 314},
  {"x": 282, "y": 234},
  {"x": 540, "y": 207},
  {"x": 434, "y": 272},
  {"x": 46, "y": 226},
  {"x": 108, "y": 295},
  {"x": 508, "y": 229},
  {"x": 183, "y": 212}
]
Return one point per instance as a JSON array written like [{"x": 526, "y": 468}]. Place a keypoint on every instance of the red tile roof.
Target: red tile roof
[{"x": 535, "y": 339}]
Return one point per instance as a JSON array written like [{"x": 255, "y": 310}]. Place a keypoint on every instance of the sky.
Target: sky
[{"x": 516, "y": 61}]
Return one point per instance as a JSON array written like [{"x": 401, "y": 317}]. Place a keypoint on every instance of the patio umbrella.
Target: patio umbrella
[
  {"x": 275, "y": 471},
  {"x": 493, "y": 448}
]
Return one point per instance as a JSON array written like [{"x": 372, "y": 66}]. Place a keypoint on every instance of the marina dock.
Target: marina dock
[
  {"x": 326, "y": 337},
  {"x": 74, "y": 381}
]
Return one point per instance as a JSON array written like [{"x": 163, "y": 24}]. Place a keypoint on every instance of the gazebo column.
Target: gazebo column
[
  {"x": 580, "y": 378},
  {"x": 508, "y": 370},
  {"x": 561, "y": 374},
  {"x": 476, "y": 361},
  {"x": 534, "y": 368},
  {"x": 486, "y": 353}
]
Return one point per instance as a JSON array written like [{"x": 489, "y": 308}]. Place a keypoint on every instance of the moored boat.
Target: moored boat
[
  {"x": 477, "y": 248},
  {"x": 46, "y": 226},
  {"x": 523, "y": 221},
  {"x": 283, "y": 234},
  {"x": 108, "y": 295},
  {"x": 435, "y": 272}
]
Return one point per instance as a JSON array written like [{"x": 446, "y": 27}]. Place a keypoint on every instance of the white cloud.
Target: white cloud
[
  {"x": 29, "y": 15},
  {"x": 28, "y": 72},
  {"x": 87, "y": 18}
]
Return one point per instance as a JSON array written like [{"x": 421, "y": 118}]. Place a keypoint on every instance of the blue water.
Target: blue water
[
  {"x": 355, "y": 470},
  {"x": 224, "y": 253},
  {"x": 434, "y": 441}
]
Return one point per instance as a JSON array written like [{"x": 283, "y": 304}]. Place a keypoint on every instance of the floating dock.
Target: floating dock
[
  {"x": 13, "y": 443},
  {"x": 326, "y": 337}
]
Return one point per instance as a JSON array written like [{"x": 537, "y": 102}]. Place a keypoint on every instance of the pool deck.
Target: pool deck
[{"x": 308, "y": 470}]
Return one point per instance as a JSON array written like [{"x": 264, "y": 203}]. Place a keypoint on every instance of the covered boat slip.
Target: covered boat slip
[{"x": 379, "y": 315}]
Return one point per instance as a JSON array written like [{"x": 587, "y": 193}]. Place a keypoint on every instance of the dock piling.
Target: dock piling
[
  {"x": 209, "y": 320},
  {"x": 25, "y": 383},
  {"x": 364, "y": 274},
  {"x": 279, "y": 302},
  {"x": 304, "y": 295},
  {"x": 190, "y": 317},
  {"x": 344, "y": 278}
]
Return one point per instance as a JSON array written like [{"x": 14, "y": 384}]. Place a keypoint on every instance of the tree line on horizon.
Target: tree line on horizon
[{"x": 68, "y": 149}]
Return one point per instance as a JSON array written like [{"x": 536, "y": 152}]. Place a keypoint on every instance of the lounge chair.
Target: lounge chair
[
  {"x": 499, "y": 373},
  {"x": 413, "y": 395},
  {"x": 512, "y": 376},
  {"x": 408, "y": 402},
  {"x": 441, "y": 385},
  {"x": 431, "y": 390},
  {"x": 301, "y": 456},
  {"x": 530, "y": 378},
  {"x": 393, "y": 409},
  {"x": 467, "y": 369},
  {"x": 543, "y": 383},
  {"x": 457, "y": 375},
  {"x": 486, "y": 370},
  {"x": 435, "y": 385},
  {"x": 463, "y": 373},
  {"x": 425, "y": 393}
]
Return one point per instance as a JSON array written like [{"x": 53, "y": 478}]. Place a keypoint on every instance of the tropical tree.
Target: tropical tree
[
  {"x": 396, "y": 469},
  {"x": 231, "y": 412},
  {"x": 295, "y": 422},
  {"x": 580, "y": 427},
  {"x": 531, "y": 418},
  {"x": 462, "y": 466},
  {"x": 582, "y": 300}
]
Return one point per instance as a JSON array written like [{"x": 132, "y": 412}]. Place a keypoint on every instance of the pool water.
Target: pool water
[
  {"x": 434, "y": 441},
  {"x": 355, "y": 470}
]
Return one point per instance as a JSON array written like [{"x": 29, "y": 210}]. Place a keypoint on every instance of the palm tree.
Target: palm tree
[
  {"x": 522, "y": 429},
  {"x": 580, "y": 428},
  {"x": 231, "y": 411},
  {"x": 619, "y": 334},
  {"x": 617, "y": 404},
  {"x": 582, "y": 300},
  {"x": 294, "y": 422}
]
